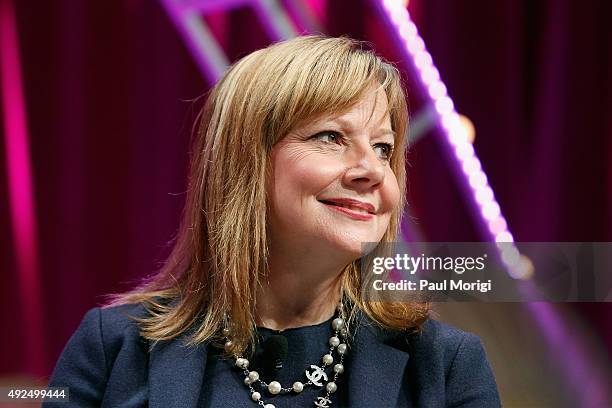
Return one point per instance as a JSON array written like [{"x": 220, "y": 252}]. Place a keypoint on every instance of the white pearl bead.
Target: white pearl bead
[
  {"x": 342, "y": 348},
  {"x": 255, "y": 396},
  {"x": 229, "y": 345},
  {"x": 242, "y": 362},
  {"x": 269, "y": 406},
  {"x": 247, "y": 381},
  {"x": 226, "y": 331},
  {"x": 298, "y": 386},
  {"x": 274, "y": 387},
  {"x": 334, "y": 341},
  {"x": 331, "y": 387},
  {"x": 337, "y": 323},
  {"x": 253, "y": 376},
  {"x": 328, "y": 359},
  {"x": 338, "y": 368}
]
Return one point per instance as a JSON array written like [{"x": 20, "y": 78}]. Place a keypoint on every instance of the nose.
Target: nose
[{"x": 366, "y": 170}]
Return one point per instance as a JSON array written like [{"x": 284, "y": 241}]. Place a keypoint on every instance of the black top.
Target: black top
[{"x": 223, "y": 383}]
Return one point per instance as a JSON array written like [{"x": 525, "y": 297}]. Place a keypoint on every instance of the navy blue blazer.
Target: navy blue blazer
[{"x": 106, "y": 363}]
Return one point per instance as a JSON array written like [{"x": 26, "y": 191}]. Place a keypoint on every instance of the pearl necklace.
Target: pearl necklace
[{"x": 316, "y": 375}]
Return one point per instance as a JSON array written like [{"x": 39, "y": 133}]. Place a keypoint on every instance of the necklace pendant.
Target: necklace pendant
[
  {"x": 316, "y": 375},
  {"x": 323, "y": 402}
]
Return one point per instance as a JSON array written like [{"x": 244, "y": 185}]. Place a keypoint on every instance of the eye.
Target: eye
[
  {"x": 385, "y": 150},
  {"x": 328, "y": 136}
]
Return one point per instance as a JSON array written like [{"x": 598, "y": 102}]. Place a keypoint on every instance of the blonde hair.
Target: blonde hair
[{"x": 220, "y": 251}]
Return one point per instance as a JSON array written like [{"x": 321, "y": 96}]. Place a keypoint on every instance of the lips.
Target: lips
[{"x": 351, "y": 204}]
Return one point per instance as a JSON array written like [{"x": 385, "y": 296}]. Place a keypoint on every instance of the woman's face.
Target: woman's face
[{"x": 332, "y": 186}]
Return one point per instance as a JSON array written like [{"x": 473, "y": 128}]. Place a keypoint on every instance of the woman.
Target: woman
[{"x": 298, "y": 160}]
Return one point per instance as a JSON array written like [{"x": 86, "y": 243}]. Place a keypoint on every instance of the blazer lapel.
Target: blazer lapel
[
  {"x": 377, "y": 367},
  {"x": 175, "y": 374}
]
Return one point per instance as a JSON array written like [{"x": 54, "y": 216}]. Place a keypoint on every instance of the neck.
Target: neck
[{"x": 298, "y": 293}]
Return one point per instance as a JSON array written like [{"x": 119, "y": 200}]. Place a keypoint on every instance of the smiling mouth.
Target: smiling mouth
[{"x": 348, "y": 209}]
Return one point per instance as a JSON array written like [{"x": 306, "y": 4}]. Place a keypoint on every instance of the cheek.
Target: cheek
[
  {"x": 304, "y": 177},
  {"x": 390, "y": 193},
  {"x": 297, "y": 179}
]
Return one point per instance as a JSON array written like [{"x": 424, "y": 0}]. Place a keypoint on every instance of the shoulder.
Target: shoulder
[
  {"x": 111, "y": 332},
  {"x": 106, "y": 345},
  {"x": 114, "y": 319},
  {"x": 118, "y": 321},
  {"x": 109, "y": 326},
  {"x": 113, "y": 327},
  {"x": 454, "y": 360},
  {"x": 441, "y": 339}
]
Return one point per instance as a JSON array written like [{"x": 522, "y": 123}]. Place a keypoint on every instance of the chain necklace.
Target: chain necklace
[{"x": 315, "y": 374}]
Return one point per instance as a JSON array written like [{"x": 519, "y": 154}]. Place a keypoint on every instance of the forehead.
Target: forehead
[{"x": 370, "y": 110}]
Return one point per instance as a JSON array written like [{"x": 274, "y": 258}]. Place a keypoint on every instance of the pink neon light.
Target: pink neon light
[
  {"x": 483, "y": 198},
  {"x": 21, "y": 190}
]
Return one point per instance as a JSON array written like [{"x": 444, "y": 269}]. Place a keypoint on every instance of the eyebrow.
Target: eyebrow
[
  {"x": 388, "y": 132},
  {"x": 347, "y": 125}
]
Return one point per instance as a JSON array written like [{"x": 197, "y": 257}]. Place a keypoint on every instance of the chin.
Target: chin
[{"x": 353, "y": 246}]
